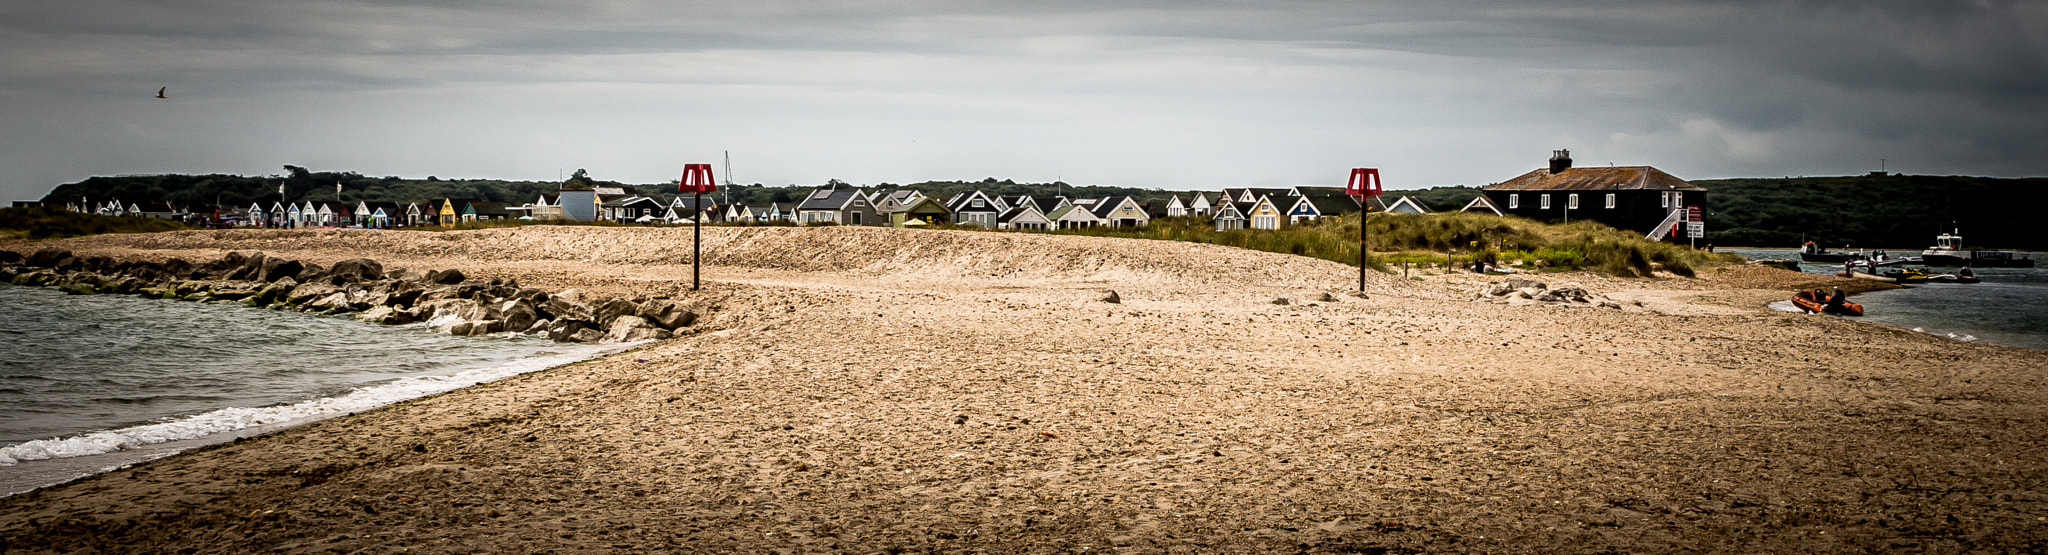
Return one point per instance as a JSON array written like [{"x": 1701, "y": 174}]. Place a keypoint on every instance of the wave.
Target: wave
[{"x": 237, "y": 418}]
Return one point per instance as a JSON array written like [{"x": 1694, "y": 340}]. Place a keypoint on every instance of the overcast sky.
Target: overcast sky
[{"x": 1171, "y": 95}]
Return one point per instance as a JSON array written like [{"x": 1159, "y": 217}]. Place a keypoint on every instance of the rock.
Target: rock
[
  {"x": 274, "y": 293},
  {"x": 518, "y": 315},
  {"x": 627, "y": 327},
  {"x": 1565, "y": 294},
  {"x": 277, "y": 269},
  {"x": 77, "y": 289},
  {"x": 309, "y": 292},
  {"x": 376, "y": 314},
  {"x": 1112, "y": 298},
  {"x": 561, "y": 330},
  {"x": 534, "y": 296},
  {"x": 611, "y": 310},
  {"x": 538, "y": 327},
  {"x": 586, "y": 335},
  {"x": 47, "y": 257},
  {"x": 38, "y": 277},
  {"x": 356, "y": 269},
  {"x": 11, "y": 257},
  {"x": 668, "y": 314},
  {"x": 405, "y": 274},
  {"x": 449, "y": 276},
  {"x": 564, "y": 306},
  {"x": 338, "y": 301},
  {"x": 255, "y": 262},
  {"x": 1282, "y": 301},
  {"x": 1328, "y": 298}
]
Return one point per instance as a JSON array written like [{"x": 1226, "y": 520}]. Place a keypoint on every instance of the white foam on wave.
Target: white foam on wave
[{"x": 238, "y": 418}]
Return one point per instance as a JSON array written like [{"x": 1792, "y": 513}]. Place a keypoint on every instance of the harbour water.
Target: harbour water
[
  {"x": 89, "y": 383},
  {"x": 2009, "y": 308}
]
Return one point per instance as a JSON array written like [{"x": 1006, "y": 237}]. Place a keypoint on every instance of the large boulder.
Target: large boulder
[
  {"x": 561, "y": 331},
  {"x": 518, "y": 315},
  {"x": 11, "y": 257},
  {"x": 309, "y": 292},
  {"x": 668, "y": 314},
  {"x": 449, "y": 276},
  {"x": 356, "y": 269},
  {"x": 562, "y": 307},
  {"x": 611, "y": 310},
  {"x": 48, "y": 257},
  {"x": 273, "y": 293},
  {"x": 275, "y": 269},
  {"x": 629, "y": 328}
]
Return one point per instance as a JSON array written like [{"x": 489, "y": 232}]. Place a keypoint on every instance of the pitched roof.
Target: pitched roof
[
  {"x": 1327, "y": 203},
  {"x": 828, "y": 199},
  {"x": 1480, "y": 203},
  {"x": 1018, "y": 212},
  {"x": 1407, "y": 205},
  {"x": 1596, "y": 179}
]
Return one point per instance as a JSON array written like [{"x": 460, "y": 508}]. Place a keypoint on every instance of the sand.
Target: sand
[{"x": 872, "y": 390}]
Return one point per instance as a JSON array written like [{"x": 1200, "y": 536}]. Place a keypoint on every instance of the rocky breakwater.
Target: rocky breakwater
[{"x": 445, "y": 300}]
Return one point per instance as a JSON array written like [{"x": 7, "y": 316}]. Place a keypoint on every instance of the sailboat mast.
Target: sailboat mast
[{"x": 728, "y": 177}]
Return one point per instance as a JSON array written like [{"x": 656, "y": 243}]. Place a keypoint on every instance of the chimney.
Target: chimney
[{"x": 1560, "y": 160}]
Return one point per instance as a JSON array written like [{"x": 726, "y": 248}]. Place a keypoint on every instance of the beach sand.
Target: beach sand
[{"x": 860, "y": 389}]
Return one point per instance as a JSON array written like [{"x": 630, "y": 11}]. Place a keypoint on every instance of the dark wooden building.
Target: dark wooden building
[{"x": 1635, "y": 198}]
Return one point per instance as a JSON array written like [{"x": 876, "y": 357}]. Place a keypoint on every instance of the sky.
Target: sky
[{"x": 1177, "y": 95}]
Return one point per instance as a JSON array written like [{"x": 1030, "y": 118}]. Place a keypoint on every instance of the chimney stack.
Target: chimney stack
[{"x": 1560, "y": 160}]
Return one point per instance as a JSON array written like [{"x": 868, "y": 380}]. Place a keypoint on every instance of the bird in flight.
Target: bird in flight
[{"x": 160, "y": 92}]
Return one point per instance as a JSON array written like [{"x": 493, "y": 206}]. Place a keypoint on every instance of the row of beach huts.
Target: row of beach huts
[{"x": 1638, "y": 198}]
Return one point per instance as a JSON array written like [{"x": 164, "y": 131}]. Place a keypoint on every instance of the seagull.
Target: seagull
[{"x": 160, "y": 92}]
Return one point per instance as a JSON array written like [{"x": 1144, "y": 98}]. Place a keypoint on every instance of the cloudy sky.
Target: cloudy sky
[{"x": 1171, "y": 95}]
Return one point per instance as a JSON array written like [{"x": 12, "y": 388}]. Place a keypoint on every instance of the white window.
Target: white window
[
  {"x": 1571, "y": 201},
  {"x": 978, "y": 203},
  {"x": 1514, "y": 201},
  {"x": 1265, "y": 222},
  {"x": 1543, "y": 201},
  {"x": 1610, "y": 200}
]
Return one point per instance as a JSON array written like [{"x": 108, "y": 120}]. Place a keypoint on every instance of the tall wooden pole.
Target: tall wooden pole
[
  {"x": 1363, "y": 210},
  {"x": 696, "y": 242}
]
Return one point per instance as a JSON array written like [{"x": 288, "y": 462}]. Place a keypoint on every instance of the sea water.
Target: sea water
[
  {"x": 2010, "y": 306},
  {"x": 93, "y": 382}
]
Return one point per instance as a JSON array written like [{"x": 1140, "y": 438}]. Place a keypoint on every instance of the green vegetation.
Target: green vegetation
[
  {"x": 1890, "y": 211},
  {"x": 1452, "y": 240},
  {"x": 44, "y": 222}
]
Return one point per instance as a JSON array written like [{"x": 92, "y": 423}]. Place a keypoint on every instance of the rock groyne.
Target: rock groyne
[{"x": 444, "y": 300}]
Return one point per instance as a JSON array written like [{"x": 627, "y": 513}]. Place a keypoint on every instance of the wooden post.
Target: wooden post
[
  {"x": 696, "y": 242},
  {"x": 1362, "y": 211}
]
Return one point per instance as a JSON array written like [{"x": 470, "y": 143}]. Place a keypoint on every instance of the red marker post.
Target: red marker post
[
  {"x": 1364, "y": 183},
  {"x": 697, "y": 181}
]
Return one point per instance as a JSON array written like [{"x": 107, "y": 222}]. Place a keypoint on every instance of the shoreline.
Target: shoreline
[
  {"x": 46, "y": 462},
  {"x": 875, "y": 389}
]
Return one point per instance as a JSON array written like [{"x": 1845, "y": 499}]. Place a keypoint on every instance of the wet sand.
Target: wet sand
[{"x": 873, "y": 390}]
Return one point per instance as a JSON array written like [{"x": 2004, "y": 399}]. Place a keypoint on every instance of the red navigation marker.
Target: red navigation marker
[
  {"x": 697, "y": 179},
  {"x": 1364, "y": 182}
]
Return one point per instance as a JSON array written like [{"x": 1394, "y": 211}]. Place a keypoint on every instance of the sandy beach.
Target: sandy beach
[{"x": 871, "y": 390}]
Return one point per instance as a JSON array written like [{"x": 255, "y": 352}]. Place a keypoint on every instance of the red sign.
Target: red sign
[
  {"x": 1364, "y": 182},
  {"x": 1692, "y": 213},
  {"x": 697, "y": 179}
]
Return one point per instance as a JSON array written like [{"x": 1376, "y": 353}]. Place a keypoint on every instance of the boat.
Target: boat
[
  {"x": 1815, "y": 254},
  {"x": 1815, "y": 300},
  {"x": 1948, "y": 252},
  {"x": 1860, "y": 274},
  {"x": 1906, "y": 275}
]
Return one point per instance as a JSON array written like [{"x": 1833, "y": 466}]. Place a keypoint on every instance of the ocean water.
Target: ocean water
[
  {"x": 93, "y": 382},
  {"x": 2009, "y": 308}
]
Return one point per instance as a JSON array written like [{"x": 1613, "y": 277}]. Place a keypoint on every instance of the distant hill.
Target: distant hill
[{"x": 1890, "y": 211}]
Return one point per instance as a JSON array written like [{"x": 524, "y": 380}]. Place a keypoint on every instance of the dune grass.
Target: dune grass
[{"x": 1445, "y": 240}]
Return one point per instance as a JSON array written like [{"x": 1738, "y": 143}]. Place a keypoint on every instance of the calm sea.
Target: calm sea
[
  {"x": 90, "y": 383},
  {"x": 2009, "y": 308}
]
